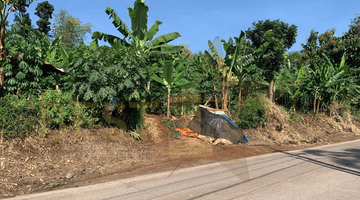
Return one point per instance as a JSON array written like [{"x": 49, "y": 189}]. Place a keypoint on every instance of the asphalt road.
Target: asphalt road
[{"x": 327, "y": 172}]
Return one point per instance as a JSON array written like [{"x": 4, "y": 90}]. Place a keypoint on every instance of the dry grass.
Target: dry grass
[{"x": 279, "y": 129}]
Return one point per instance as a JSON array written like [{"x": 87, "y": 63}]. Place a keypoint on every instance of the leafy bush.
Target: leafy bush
[
  {"x": 251, "y": 112},
  {"x": 57, "y": 110},
  {"x": 24, "y": 115},
  {"x": 99, "y": 74},
  {"x": 25, "y": 74},
  {"x": 18, "y": 115}
]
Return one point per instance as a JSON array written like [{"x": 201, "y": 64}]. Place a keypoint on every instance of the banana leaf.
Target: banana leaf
[
  {"x": 154, "y": 29},
  {"x": 168, "y": 70},
  {"x": 139, "y": 18},
  {"x": 163, "y": 39},
  {"x": 118, "y": 23}
]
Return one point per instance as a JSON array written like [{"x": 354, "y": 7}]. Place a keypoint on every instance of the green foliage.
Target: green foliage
[
  {"x": 172, "y": 126},
  {"x": 24, "y": 115},
  {"x": 169, "y": 81},
  {"x": 329, "y": 83},
  {"x": 18, "y": 115},
  {"x": 187, "y": 101},
  {"x": 290, "y": 81},
  {"x": 25, "y": 73},
  {"x": 281, "y": 37},
  {"x": 140, "y": 36},
  {"x": 58, "y": 110},
  {"x": 135, "y": 135},
  {"x": 55, "y": 185},
  {"x": 102, "y": 73},
  {"x": 71, "y": 29},
  {"x": 44, "y": 11},
  {"x": 22, "y": 18},
  {"x": 295, "y": 58},
  {"x": 251, "y": 113}
]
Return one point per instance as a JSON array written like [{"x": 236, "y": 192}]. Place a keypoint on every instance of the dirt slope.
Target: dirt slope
[{"x": 40, "y": 164}]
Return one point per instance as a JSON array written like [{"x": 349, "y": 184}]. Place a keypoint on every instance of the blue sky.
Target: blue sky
[{"x": 201, "y": 20}]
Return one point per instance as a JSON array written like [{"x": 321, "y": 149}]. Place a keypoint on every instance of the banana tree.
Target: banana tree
[
  {"x": 330, "y": 80},
  {"x": 233, "y": 61},
  {"x": 245, "y": 65},
  {"x": 213, "y": 65},
  {"x": 139, "y": 35},
  {"x": 169, "y": 82},
  {"x": 290, "y": 81}
]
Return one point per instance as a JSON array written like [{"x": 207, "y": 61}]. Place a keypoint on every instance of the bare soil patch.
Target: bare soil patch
[{"x": 35, "y": 164}]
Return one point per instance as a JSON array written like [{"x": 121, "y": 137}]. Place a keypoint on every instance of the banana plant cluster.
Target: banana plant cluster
[
  {"x": 235, "y": 62},
  {"x": 290, "y": 81},
  {"x": 330, "y": 81},
  {"x": 168, "y": 79},
  {"x": 139, "y": 35},
  {"x": 326, "y": 82}
]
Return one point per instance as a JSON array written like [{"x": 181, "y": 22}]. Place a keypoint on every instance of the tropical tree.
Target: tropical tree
[
  {"x": 246, "y": 65},
  {"x": 213, "y": 65},
  {"x": 290, "y": 81},
  {"x": 139, "y": 35},
  {"x": 331, "y": 81},
  {"x": 295, "y": 58},
  {"x": 234, "y": 61},
  {"x": 352, "y": 43},
  {"x": 71, "y": 28},
  {"x": 310, "y": 50},
  {"x": 22, "y": 17},
  {"x": 4, "y": 23},
  {"x": 32, "y": 50},
  {"x": 281, "y": 37},
  {"x": 44, "y": 11},
  {"x": 169, "y": 81}
]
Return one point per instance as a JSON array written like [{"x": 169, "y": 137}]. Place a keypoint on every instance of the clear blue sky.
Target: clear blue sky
[{"x": 201, "y": 20}]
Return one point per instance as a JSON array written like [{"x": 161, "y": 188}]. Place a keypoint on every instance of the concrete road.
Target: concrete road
[{"x": 327, "y": 172}]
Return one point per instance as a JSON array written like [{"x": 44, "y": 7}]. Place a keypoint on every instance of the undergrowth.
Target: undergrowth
[
  {"x": 251, "y": 113},
  {"x": 22, "y": 115},
  {"x": 172, "y": 126}
]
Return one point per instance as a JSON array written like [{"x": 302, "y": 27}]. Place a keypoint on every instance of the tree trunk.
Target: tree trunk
[
  {"x": 294, "y": 107},
  {"x": 240, "y": 91},
  {"x": 168, "y": 106},
  {"x": 226, "y": 91},
  {"x": 216, "y": 100},
  {"x": 148, "y": 86},
  {"x": 182, "y": 106},
  {"x": 271, "y": 90},
  {"x": 223, "y": 100},
  {"x": 3, "y": 53},
  {"x": 318, "y": 105},
  {"x": 57, "y": 82},
  {"x": 2, "y": 77},
  {"x": 315, "y": 104}
]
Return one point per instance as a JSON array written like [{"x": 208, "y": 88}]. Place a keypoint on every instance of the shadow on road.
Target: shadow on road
[{"x": 346, "y": 161}]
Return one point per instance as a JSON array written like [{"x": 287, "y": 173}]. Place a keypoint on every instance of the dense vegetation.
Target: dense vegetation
[{"x": 139, "y": 73}]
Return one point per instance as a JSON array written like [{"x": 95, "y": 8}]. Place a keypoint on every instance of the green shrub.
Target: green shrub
[
  {"x": 59, "y": 109},
  {"x": 251, "y": 112},
  {"x": 18, "y": 115},
  {"x": 22, "y": 115}
]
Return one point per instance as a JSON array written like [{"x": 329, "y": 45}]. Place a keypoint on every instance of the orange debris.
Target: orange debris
[{"x": 187, "y": 132}]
